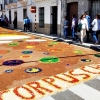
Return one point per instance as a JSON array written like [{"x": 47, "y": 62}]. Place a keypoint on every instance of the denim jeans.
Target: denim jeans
[
  {"x": 73, "y": 32},
  {"x": 94, "y": 36},
  {"x": 65, "y": 31}
]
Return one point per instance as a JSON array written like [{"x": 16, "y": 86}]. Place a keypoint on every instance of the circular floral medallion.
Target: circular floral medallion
[
  {"x": 56, "y": 50},
  {"x": 13, "y": 62},
  {"x": 20, "y": 41},
  {"x": 97, "y": 55},
  {"x": 67, "y": 64},
  {"x": 78, "y": 52},
  {"x": 49, "y": 60},
  {"x": 86, "y": 60},
  {"x": 25, "y": 56},
  {"x": 50, "y": 45},
  {"x": 30, "y": 47},
  {"x": 9, "y": 71},
  {"x": 46, "y": 53},
  {"x": 27, "y": 52},
  {"x": 4, "y": 51},
  {"x": 53, "y": 43},
  {"x": 33, "y": 70},
  {"x": 13, "y": 44},
  {"x": 33, "y": 43}
]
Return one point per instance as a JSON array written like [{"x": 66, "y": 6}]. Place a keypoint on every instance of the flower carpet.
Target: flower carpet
[{"x": 32, "y": 66}]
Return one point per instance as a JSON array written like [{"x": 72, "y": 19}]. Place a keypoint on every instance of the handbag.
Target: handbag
[{"x": 79, "y": 27}]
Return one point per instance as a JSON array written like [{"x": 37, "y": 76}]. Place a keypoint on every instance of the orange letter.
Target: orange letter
[
  {"x": 23, "y": 97},
  {"x": 50, "y": 81},
  {"x": 86, "y": 76},
  {"x": 37, "y": 87},
  {"x": 74, "y": 80},
  {"x": 96, "y": 67},
  {"x": 1, "y": 95},
  {"x": 83, "y": 68}
]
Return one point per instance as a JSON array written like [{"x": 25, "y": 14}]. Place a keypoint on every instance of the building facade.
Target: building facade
[{"x": 49, "y": 15}]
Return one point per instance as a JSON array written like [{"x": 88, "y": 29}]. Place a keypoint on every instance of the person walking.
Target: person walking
[
  {"x": 15, "y": 23},
  {"x": 98, "y": 32},
  {"x": 95, "y": 28},
  {"x": 74, "y": 29},
  {"x": 89, "y": 25},
  {"x": 25, "y": 24},
  {"x": 6, "y": 21},
  {"x": 28, "y": 23},
  {"x": 65, "y": 27},
  {"x": 84, "y": 23},
  {"x": 2, "y": 21}
]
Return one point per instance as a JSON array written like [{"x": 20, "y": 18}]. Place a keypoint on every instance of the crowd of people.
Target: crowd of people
[
  {"x": 4, "y": 21},
  {"x": 26, "y": 24},
  {"x": 85, "y": 26}
]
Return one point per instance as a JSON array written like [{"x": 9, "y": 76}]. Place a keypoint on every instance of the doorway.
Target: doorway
[
  {"x": 15, "y": 19},
  {"x": 10, "y": 17},
  {"x": 15, "y": 14},
  {"x": 54, "y": 20},
  {"x": 72, "y": 8}
]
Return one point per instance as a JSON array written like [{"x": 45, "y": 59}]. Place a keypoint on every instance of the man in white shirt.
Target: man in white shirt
[
  {"x": 98, "y": 32},
  {"x": 95, "y": 28}
]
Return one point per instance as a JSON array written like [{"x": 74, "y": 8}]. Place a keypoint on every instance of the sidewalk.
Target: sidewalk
[{"x": 68, "y": 40}]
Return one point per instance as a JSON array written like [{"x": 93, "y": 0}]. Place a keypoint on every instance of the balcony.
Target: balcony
[
  {"x": 13, "y": 4},
  {"x": 8, "y": 6},
  {"x": 40, "y": 0},
  {"x": 23, "y": 2},
  {"x": 52, "y": 2}
]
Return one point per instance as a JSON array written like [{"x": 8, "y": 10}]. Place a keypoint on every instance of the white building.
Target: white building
[
  {"x": 47, "y": 18},
  {"x": 49, "y": 15}
]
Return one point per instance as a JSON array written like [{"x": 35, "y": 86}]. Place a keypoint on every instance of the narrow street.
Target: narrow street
[{"x": 34, "y": 67}]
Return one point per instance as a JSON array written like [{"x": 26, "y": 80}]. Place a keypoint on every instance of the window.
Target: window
[
  {"x": 24, "y": 13},
  {"x": 10, "y": 1},
  {"x": 41, "y": 17},
  {"x": 95, "y": 8},
  {"x": 5, "y": 2}
]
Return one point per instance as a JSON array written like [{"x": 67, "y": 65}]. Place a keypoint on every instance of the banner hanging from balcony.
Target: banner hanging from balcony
[{"x": 33, "y": 9}]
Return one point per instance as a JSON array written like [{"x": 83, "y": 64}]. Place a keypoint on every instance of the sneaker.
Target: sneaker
[{"x": 95, "y": 43}]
